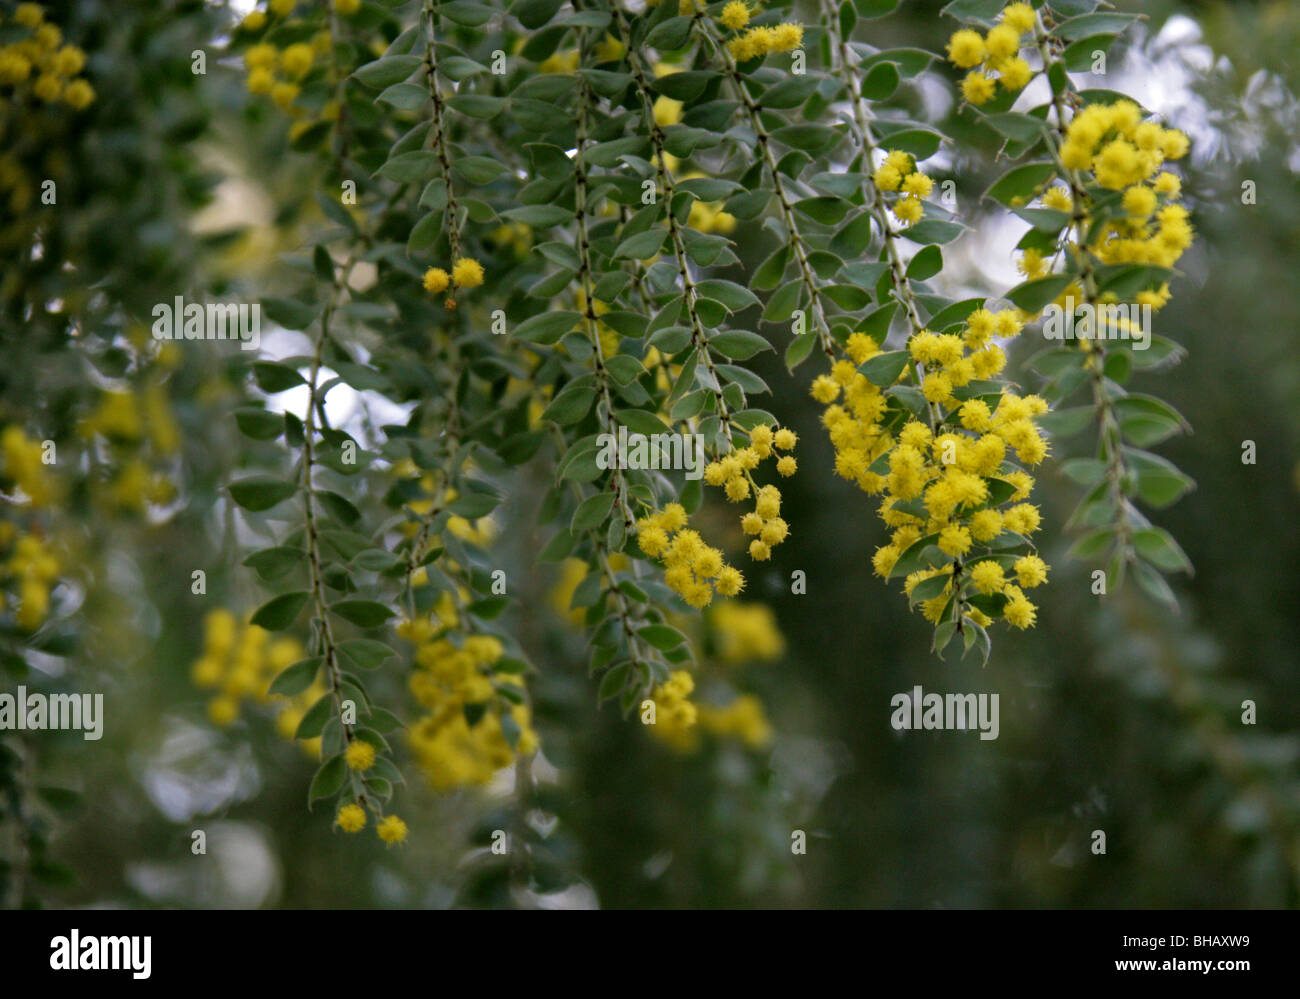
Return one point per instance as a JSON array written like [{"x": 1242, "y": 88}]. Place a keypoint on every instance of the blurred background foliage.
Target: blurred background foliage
[{"x": 1115, "y": 715}]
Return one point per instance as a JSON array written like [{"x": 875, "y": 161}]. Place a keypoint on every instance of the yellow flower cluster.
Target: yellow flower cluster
[
  {"x": 674, "y": 714},
  {"x": 732, "y": 472},
  {"x": 1126, "y": 153},
  {"x": 898, "y": 173},
  {"x": 293, "y": 63},
  {"x": 42, "y": 60},
  {"x": 949, "y": 483},
  {"x": 691, "y": 568},
  {"x": 24, "y": 467},
  {"x": 480, "y": 533},
  {"x": 466, "y": 272},
  {"x": 239, "y": 661},
  {"x": 679, "y": 722},
  {"x": 33, "y": 565},
  {"x": 735, "y": 15},
  {"x": 745, "y": 632},
  {"x": 757, "y": 42},
  {"x": 463, "y": 740},
  {"x": 997, "y": 52},
  {"x": 742, "y": 719}
]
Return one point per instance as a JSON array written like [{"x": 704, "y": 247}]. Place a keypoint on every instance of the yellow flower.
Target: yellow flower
[
  {"x": 47, "y": 87},
  {"x": 260, "y": 56},
  {"x": 391, "y": 829},
  {"x": 467, "y": 273},
  {"x": 735, "y": 15},
  {"x": 1019, "y": 16},
  {"x": 296, "y": 60},
  {"x": 260, "y": 81},
  {"x": 436, "y": 280},
  {"x": 254, "y": 20},
  {"x": 29, "y": 15},
  {"x": 966, "y": 49},
  {"x": 347, "y": 8},
  {"x": 1003, "y": 41},
  {"x": 977, "y": 87},
  {"x": 351, "y": 818},
  {"x": 69, "y": 60},
  {"x": 360, "y": 755},
  {"x": 14, "y": 67},
  {"x": 284, "y": 94}
]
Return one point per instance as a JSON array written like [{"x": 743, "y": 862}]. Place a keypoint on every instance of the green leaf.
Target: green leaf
[
  {"x": 261, "y": 492},
  {"x": 362, "y": 613},
  {"x": 279, "y": 612},
  {"x": 475, "y": 504},
  {"x": 1159, "y": 481},
  {"x": 272, "y": 563},
  {"x": 880, "y": 82},
  {"x": 662, "y": 636},
  {"x": 288, "y": 313},
  {"x": 1154, "y": 585},
  {"x": 798, "y": 350},
  {"x": 790, "y": 92},
  {"x": 1158, "y": 545},
  {"x": 883, "y": 369},
  {"x": 273, "y": 377},
  {"x": 404, "y": 96},
  {"x": 386, "y": 71},
  {"x": 733, "y": 296},
  {"x": 921, "y": 554},
  {"x": 477, "y": 105},
  {"x": 539, "y": 216},
  {"x": 364, "y": 653},
  {"x": 926, "y": 264},
  {"x": 815, "y": 140},
  {"x": 739, "y": 345},
  {"x": 296, "y": 678},
  {"x": 478, "y": 169},
  {"x": 1033, "y": 295},
  {"x": 920, "y": 142},
  {"x": 313, "y": 722},
  {"x": 258, "y": 423},
  {"x": 571, "y": 405},
  {"x": 592, "y": 512},
  {"x": 329, "y": 779},
  {"x": 466, "y": 12},
  {"x": 547, "y": 327},
  {"x": 407, "y": 168},
  {"x": 1093, "y": 24},
  {"x": 1015, "y": 186},
  {"x": 641, "y": 246},
  {"x": 933, "y": 231},
  {"x": 671, "y": 34}
]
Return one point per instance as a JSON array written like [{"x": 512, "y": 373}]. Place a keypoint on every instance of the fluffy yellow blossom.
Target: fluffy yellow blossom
[
  {"x": 966, "y": 49},
  {"x": 436, "y": 280},
  {"x": 467, "y": 273},
  {"x": 351, "y": 818},
  {"x": 359, "y": 755},
  {"x": 391, "y": 829},
  {"x": 735, "y": 15}
]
